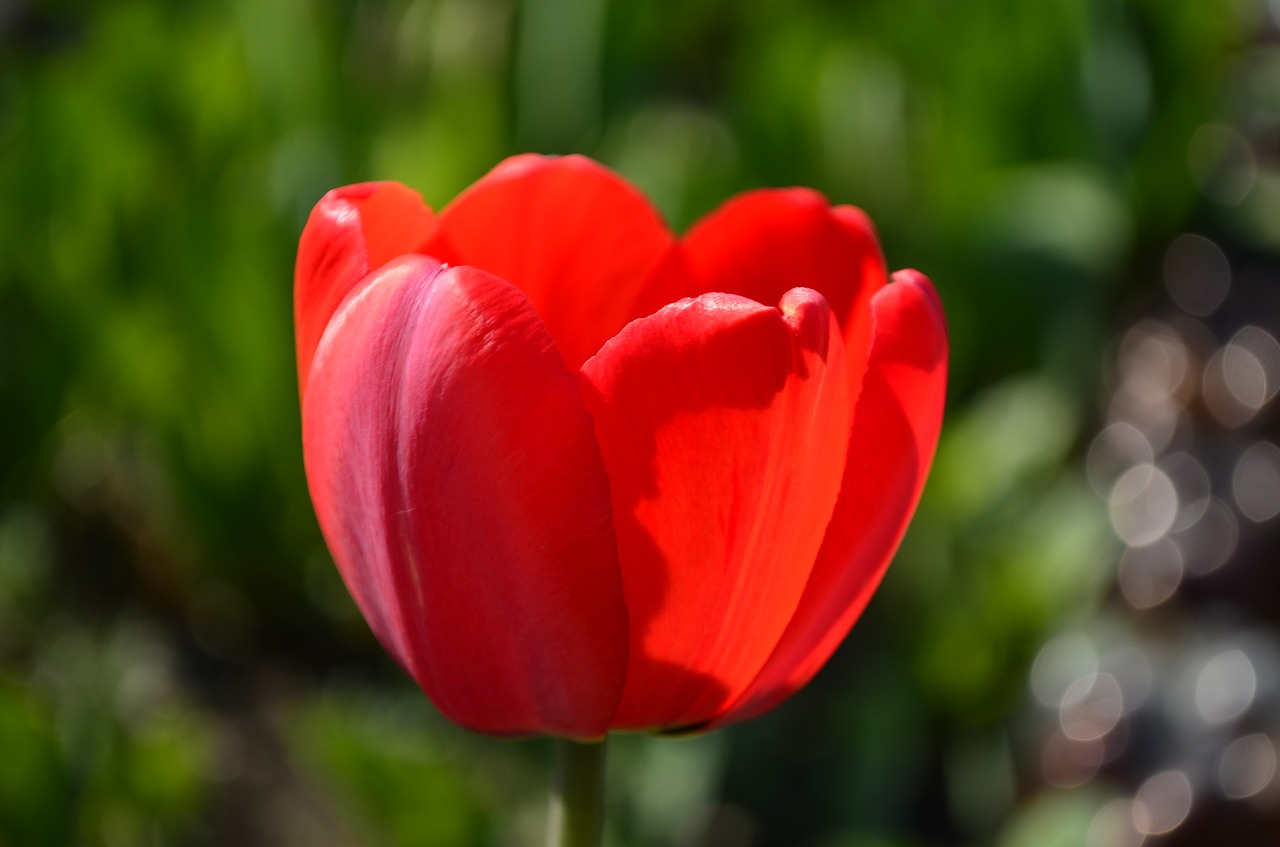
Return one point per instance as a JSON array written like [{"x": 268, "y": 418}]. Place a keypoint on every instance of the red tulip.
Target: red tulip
[{"x": 580, "y": 475}]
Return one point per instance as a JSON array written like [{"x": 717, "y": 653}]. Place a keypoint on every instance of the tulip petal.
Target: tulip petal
[
  {"x": 764, "y": 242},
  {"x": 351, "y": 231},
  {"x": 457, "y": 481},
  {"x": 575, "y": 237},
  {"x": 895, "y": 431},
  {"x": 723, "y": 425}
]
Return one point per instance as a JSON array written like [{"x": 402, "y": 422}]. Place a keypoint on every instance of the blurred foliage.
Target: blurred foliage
[{"x": 178, "y": 661}]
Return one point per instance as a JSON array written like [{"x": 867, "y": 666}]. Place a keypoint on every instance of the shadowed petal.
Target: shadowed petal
[
  {"x": 723, "y": 425},
  {"x": 571, "y": 234},
  {"x": 351, "y": 231},
  {"x": 895, "y": 430},
  {"x": 458, "y": 483}
]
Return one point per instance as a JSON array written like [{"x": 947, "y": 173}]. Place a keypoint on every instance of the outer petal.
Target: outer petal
[
  {"x": 351, "y": 232},
  {"x": 762, "y": 243},
  {"x": 458, "y": 483},
  {"x": 574, "y": 236},
  {"x": 723, "y": 424},
  {"x": 895, "y": 430}
]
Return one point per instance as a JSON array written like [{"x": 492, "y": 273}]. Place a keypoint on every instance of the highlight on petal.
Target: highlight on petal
[
  {"x": 351, "y": 231},
  {"x": 576, "y": 238},
  {"x": 458, "y": 483},
  {"x": 723, "y": 425},
  {"x": 895, "y": 431}
]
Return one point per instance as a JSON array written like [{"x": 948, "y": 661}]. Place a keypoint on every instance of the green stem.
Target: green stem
[{"x": 576, "y": 818}]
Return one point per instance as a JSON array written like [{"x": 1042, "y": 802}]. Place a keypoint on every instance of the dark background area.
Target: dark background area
[{"x": 1078, "y": 644}]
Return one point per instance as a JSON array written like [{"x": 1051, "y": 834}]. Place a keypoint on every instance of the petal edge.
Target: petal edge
[
  {"x": 352, "y": 231},
  {"x": 895, "y": 431}
]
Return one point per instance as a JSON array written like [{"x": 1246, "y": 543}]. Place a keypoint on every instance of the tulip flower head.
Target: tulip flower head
[{"x": 581, "y": 475}]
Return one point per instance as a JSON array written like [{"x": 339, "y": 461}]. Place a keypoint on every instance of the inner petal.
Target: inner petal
[{"x": 724, "y": 426}]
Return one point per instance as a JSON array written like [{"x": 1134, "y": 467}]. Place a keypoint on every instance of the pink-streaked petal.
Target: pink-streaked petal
[
  {"x": 895, "y": 431},
  {"x": 351, "y": 231},
  {"x": 574, "y": 236},
  {"x": 723, "y": 425},
  {"x": 457, "y": 480}
]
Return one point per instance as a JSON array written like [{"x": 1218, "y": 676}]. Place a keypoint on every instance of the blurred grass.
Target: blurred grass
[{"x": 170, "y": 625}]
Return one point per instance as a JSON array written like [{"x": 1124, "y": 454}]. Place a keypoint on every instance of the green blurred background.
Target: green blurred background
[{"x": 179, "y": 663}]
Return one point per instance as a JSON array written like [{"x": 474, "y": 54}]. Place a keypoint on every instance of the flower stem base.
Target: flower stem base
[{"x": 576, "y": 817}]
